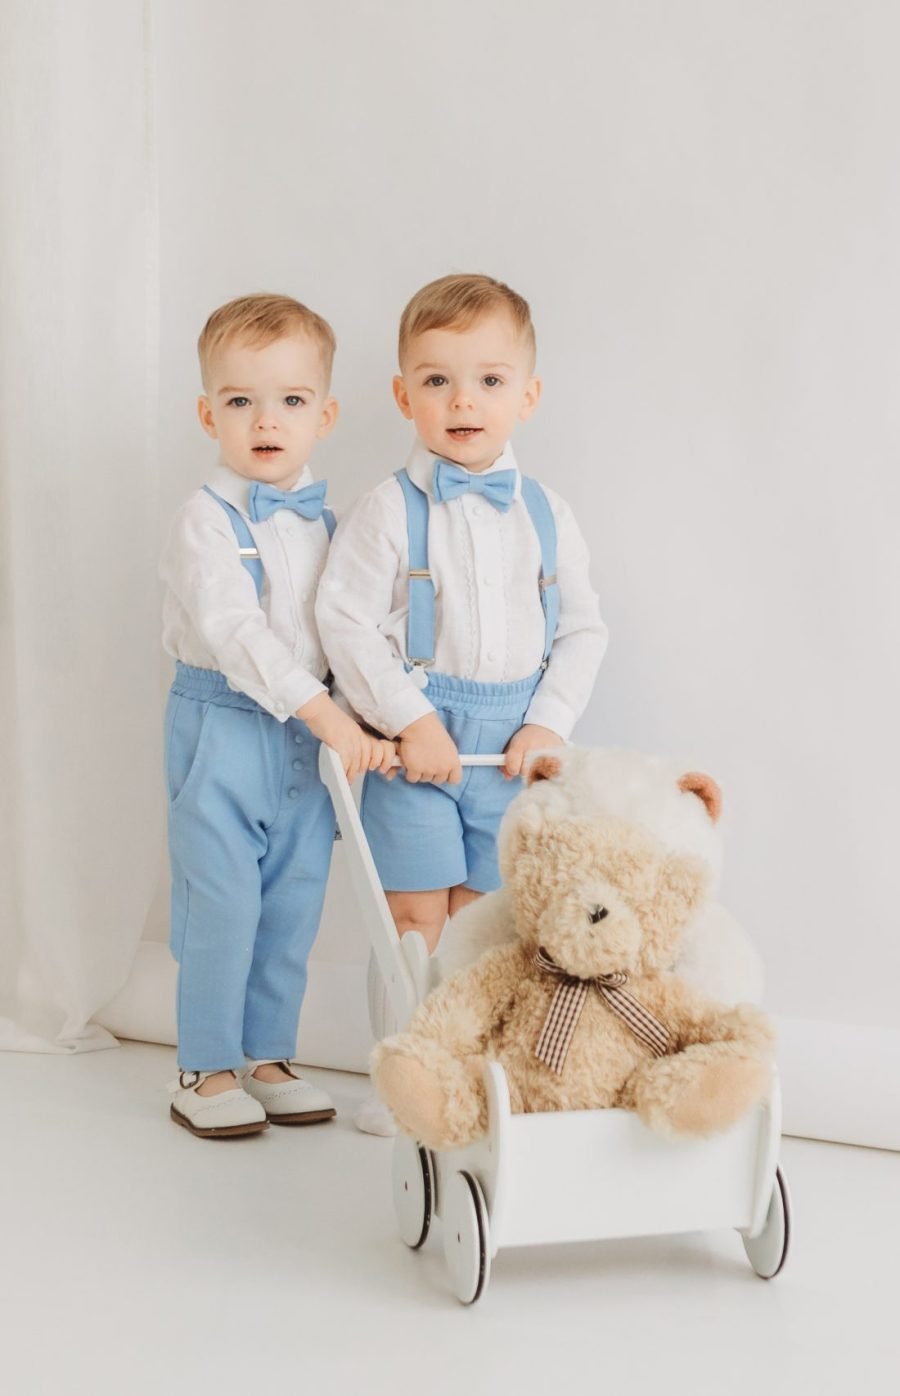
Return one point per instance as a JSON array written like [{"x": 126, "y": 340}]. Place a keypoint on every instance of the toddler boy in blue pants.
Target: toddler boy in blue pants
[{"x": 250, "y": 823}]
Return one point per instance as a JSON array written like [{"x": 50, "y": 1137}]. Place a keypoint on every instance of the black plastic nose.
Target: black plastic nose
[{"x": 597, "y": 913}]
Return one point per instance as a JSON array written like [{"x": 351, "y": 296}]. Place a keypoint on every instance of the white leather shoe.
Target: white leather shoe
[
  {"x": 292, "y": 1101},
  {"x": 374, "y": 1117},
  {"x": 222, "y": 1116}
]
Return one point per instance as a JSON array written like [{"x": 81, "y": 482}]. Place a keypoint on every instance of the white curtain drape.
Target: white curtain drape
[{"x": 80, "y": 795}]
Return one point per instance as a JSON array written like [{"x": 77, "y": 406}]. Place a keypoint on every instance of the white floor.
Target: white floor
[{"x": 137, "y": 1260}]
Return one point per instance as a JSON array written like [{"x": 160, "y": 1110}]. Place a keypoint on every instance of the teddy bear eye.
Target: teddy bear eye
[{"x": 597, "y": 913}]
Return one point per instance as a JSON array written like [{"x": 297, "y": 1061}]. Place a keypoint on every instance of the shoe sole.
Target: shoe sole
[
  {"x": 223, "y": 1131},
  {"x": 312, "y": 1117}
]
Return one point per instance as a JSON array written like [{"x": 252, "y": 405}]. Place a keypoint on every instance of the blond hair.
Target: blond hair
[
  {"x": 457, "y": 301},
  {"x": 260, "y": 319}
]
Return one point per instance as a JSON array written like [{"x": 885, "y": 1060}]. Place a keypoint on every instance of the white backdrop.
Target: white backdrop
[{"x": 702, "y": 203}]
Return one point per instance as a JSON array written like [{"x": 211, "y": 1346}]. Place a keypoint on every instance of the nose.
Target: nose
[
  {"x": 597, "y": 913},
  {"x": 462, "y": 400}
]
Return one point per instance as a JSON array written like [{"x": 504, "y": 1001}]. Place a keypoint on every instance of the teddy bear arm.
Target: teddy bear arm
[
  {"x": 692, "y": 1018},
  {"x": 720, "y": 1066}
]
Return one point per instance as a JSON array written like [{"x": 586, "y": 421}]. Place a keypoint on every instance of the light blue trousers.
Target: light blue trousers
[{"x": 251, "y": 829}]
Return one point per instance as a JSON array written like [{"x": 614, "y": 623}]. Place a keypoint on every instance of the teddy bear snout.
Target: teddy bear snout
[{"x": 597, "y": 913}]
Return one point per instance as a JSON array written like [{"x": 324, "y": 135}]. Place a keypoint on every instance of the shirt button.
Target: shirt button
[
  {"x": 279, "y": 707},
  {"x": 492, "y": 654},
  {"x": 476, "y": 510},
  {"x": 293, "y": 792},
  {"x": 489, "y": 581},
  {"x": 298, "y": 737},
  {"x": 297, "y": 765}
]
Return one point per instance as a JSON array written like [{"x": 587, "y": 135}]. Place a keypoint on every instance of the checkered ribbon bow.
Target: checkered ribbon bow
[{"x": 568, "y": 1001}]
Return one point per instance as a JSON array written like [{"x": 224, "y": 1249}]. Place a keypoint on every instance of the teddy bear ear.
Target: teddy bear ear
[
  {"x": 703, "y": 786},
  {"x": 543, "y": 767}
]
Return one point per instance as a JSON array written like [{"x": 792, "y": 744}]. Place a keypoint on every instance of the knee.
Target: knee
[{"x": 429, "y": 928}]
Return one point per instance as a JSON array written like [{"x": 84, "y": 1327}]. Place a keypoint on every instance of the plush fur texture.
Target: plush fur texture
[
  {"x": 715, "y": 955},
  {"x": 652, "y": 875}
]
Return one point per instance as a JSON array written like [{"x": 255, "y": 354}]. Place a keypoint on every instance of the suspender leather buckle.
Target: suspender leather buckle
[
  {"x": 422, "y": 663},
  {"x": 248, "y": 552},
  {"x": 546, "y": 582}
]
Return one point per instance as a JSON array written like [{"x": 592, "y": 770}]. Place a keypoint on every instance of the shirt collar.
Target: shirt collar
[
  {"x": 235, "y": 489},
  {"x": 420, "y": 466}
]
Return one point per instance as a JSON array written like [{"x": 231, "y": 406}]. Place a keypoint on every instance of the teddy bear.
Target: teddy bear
[
  {"x": 715, "y": 955},
  {"x": 582, "y": 1007}
]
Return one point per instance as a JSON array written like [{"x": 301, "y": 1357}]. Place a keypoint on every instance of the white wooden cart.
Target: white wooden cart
[{"x": 567, "y": 1175}]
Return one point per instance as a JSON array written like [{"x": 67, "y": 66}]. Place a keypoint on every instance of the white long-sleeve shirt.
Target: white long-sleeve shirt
[
  {"x": 489, "y": 622},
  {"x": 268, "y": 648}
]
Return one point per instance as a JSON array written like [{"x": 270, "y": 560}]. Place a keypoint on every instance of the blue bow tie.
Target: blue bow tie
[
  {"x": 450, "y": 481},
  {"x": 265, "y": 499}
]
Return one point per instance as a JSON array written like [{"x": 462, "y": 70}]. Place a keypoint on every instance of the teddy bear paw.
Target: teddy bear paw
[
  {"x": 416, "y": 1098},
  {"x": 710, "y": 1098}
]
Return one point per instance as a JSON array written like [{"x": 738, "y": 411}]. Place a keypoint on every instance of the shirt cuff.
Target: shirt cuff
[
  {"x": 546, "y": 711},
  {"x": 295, "y": 692},
  {"x": 405, "y": 708}
]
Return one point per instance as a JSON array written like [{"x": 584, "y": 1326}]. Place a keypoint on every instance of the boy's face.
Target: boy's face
[
  {"x": 466, "y": 389},
  {"x": 267, "y": 407}
]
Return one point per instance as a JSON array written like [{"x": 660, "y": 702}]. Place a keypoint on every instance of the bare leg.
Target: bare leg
[
  {"x": 425, "y": 912},
  {"x": 461, "y": 896}
]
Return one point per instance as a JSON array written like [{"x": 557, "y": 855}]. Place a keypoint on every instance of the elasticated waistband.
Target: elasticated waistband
[
  {"x": 469, "y": 698},
  {"x": 210, "y": 686}
]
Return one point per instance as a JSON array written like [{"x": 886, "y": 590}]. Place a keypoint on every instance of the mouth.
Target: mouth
[
  {"x": 463, "y": 433},
  {"x": 267, "y": 450}
]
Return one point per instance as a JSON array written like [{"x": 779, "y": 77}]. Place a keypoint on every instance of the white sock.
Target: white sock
[{"x": 374, "y": 1117}]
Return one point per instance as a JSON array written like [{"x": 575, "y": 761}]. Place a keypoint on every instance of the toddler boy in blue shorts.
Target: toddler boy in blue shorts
[
  {"x": 251, "y": 826},
  {"x": 456, "y": 607}
]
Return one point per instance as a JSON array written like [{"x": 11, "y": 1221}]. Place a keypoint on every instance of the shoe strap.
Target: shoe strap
[
  {"x": 273, "y": 1061},
  {"x": 190, "y": 1080}
]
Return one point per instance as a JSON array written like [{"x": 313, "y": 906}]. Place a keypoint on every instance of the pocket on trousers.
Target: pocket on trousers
[{"x": 187, "y": 724}]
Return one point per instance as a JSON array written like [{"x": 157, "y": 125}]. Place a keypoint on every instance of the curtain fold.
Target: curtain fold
[{"x": 80, "y": 794}]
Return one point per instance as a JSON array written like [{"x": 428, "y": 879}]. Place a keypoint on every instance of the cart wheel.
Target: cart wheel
[
  {"x": 465, "y": 1225},
  {"x": 767, "y": 1252},
  {"x": 413, "y": 1180}
]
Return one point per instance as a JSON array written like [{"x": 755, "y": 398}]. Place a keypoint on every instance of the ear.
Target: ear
[
  {"x": 706, "y": 789},
  {"x": 530, "y": 398},
  {"x": 204, "y": 412},
  {"x": 401, "y": 397},
  {"x": 328, "y": 418},
  {"x": 543, "y": 767}
]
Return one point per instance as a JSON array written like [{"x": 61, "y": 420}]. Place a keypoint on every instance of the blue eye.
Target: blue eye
[
  {"x": 293, "y": 400},
  {"x": 491, "y": 380},
  {"x": 437, "y": 380},
  {"x": 238, "y": 402}
]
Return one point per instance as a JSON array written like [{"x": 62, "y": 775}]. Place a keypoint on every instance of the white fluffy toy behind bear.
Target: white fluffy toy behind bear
[{"x": 716, "y": 953}]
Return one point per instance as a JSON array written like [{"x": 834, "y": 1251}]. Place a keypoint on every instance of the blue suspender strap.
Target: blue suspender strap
[
  {"x": 246, "y": 545},
  {"x": 538, "y": 506},
  {"x": 329, "y": 521},
  {"x": 420, "y": 623}
]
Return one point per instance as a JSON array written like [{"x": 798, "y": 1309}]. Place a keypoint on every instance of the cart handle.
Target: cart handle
[{"x": 477, "y": 760}]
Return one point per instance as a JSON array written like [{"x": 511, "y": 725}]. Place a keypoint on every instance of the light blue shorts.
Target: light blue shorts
[{"x": 425, "y": 836}]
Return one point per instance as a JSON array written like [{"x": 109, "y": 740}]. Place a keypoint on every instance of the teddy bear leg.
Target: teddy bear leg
[
  {"x": 435, "y": 1097},
  {"x": 699, "y": 1091}
]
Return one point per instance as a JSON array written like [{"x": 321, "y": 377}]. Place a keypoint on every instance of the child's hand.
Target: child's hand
[
  {"x": 358, "y": 751},
  {"x": 528, "y": 738},
  {"x": 428, "y": 752}
]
